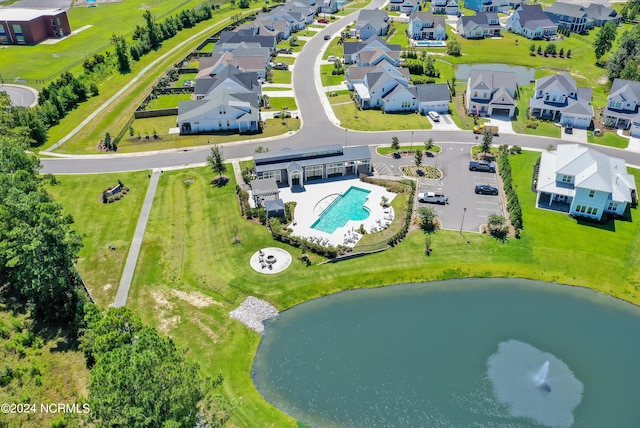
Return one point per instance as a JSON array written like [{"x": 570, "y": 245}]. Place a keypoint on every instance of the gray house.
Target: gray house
[
  {"x": 372, "y": 23},
  {"x": 573, "y": 17}
]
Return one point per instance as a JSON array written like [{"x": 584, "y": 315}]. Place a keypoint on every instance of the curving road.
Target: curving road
[{"x": 319, "y": 127}]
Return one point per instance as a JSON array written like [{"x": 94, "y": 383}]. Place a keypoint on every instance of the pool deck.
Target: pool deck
[{"x": 308, "y": 209}]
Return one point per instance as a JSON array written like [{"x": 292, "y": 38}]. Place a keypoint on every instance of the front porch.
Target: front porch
[{"x": 553, "y": 202}]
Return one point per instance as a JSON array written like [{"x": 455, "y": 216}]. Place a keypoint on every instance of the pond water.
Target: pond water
[
  {"x": 524, "y": 75},
  {"x": 460, "y": 353}
]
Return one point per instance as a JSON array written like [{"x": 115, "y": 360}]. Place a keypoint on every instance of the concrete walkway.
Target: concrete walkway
[{"x": 134, "y": 250}]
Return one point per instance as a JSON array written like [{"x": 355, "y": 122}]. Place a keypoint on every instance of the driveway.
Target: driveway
[
  {"x": 21, "y": 96},
  {"x": 444, "y": 124},
  {"x": 503, "y": 123},
  {"x": 577, "y": 136}
]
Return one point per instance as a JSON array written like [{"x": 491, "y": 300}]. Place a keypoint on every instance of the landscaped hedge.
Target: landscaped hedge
[{"x": 513, "y": 204}]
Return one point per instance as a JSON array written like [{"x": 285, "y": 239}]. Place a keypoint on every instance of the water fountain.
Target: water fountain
[{"x": 546, "y": 393}]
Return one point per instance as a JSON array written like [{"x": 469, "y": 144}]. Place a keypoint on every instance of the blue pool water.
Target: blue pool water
[{"x": 348, "y": 206}]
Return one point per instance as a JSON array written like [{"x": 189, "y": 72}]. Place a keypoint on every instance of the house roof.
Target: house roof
[
  {"x": 304, "y": 157},
  {"x": 532, "y": 17},
  {"x": 368, "y": 56},
  {"x": 273, "y": 205},
  {"x": 480, "y": 19},
  {"x": 566, "y": 9},
  {"x": 191, "y": 110},
  {"x": 580, "y": 106},
  {"x": 246, "y": 36},
  {"x": 629, "y": 90},
  {"x": 376, "y": 18},
  {"x": 502, "y": 98},
  {"x": 601, "y": 12},
  {"x": 592, "y": 170},
  {"x": 18, "y": 14},
  {"x": 398, "y": 89},
  {"x": 486, "y": 79},
  {"x": 422, "y": 16},
  {"x": 267, "y": 186},
  {"x": 562, "y": 81},
  {"x": 433, "y": 92}
]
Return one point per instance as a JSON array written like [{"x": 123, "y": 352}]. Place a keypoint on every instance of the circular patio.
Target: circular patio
[{"x": 270, "y": 260}]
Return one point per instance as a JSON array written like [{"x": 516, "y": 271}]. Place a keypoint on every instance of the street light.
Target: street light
[
  {"x": 411, "y": 147},
  {"x": 461, "y": 223},
  {"x": 345, "y": 137}
]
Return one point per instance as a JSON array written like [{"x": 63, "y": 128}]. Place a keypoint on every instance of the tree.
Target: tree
[
  {"x": 561, "y": 53},
  {"x": 604, "y": 40},
  {"x": 539, "y": 49},
  {"x": 121, "y": 53},
  {"x": 243, "y": 4},
  {"x": 140, "y": 378},
  {"x": 569, "y": 53},
  {"x": 216, "y": 160},
  {"x": 153, "y": 30},
  {"x": 428, "y": 145},
  {"x": 427, "y": 216},
  {"x": 293, "y": 41},
  {"x": 395, "y": 143},
  {"x": 454, "y": 48},
  {"x": 487, "y": 140},
  {"x": 532, "y": 49},
  {"x": 497, "y": 226},
  {"x": 452, "y": 86},
  {"x": 417, "y": 157},
  {"x": 107, "y": 141}
]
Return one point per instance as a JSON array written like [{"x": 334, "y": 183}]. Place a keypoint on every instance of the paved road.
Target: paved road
[
  {"x": 134, "y": 249},
  {"x": 23, "y": 96}
]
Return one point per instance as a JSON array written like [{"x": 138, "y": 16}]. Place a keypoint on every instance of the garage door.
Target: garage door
[
  {"x": 582, "y": 122},
  {"x": 501, "y": 112}
]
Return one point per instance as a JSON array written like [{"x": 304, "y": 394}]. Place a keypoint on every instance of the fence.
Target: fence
[{"x": 173, "y": 111}]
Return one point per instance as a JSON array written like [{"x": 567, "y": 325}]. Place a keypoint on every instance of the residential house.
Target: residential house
[
  {"x": 479, "y": 26},
  {"x": 295, "y": 167},
  {"x": 584, "y": 182},
  {"x": 558, "y": 97},
  {"x": 386, "y": 88},
  {"x": 352, "y": 50},
  {"x": 531, "y": 22},
  {"x": 247, "y": 35},
  {"x": 433, "y": 97},
  {"x": 572, "y": 17},
  {"x": 425, "y": 26},
  {"x": 491, "y": 93},
  {"x": 623, "y": 106},
  {"x": 268, "y": 26},
  {"x": 210, "y": 66},
  {"x": 600, "y": 14},
  {"x": 404, "y": 6},
  {"x": 296, "y": 20},
  {"x": 355, "y": 75},
  {"x": 307, "y": 14},
  {"x": 445, "y": 7},
  {"x": 20, "y": 26},
  {"x": 372, "y": 23},
  {"x": 486, "y": 5},
  {"x": 219, "y": 111},
  {"x": 228, "y": 80}
]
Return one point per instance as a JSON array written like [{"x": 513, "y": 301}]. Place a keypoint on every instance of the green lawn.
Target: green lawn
[
  {"x": 289, "y": 60},
  {"x": 43, "y": 61},
  {"x": 329, "y": 79},
  {"x": 281, "y": 76},
  {"x": 168, "y": 101},
  {"x": 374, "y": 120},
  {"x": 610, "y": 139},
  {"x": 285, "y": 44},
  {"x": 102, "y": 225},
  {"x": 283, "y": 103},
  {"x": 387, "y": 150},
  {"x": 545, "y": 128},
  {"x": 185, "y": 77},
  {"x": 267, "y": 89},
  {"x": 273, "y": 128},
  {"x": 399, "y": 37}
]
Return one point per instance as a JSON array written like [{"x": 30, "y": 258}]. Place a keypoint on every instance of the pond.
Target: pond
[
  {"x": 524, "y": 75},
  {"x": 481, "y": 352}
]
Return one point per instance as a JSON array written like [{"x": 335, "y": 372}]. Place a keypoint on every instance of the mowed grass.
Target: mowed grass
[
  {"x": 610, "y": 139},
  {"x": 167, "y": 101},
  {"x": 374, "y": 120},
  {"x": 328, "y": 78},
  {"x": 102, "y": 225},
  {"x": 190, "y": 274},
  {"x": 283, "y": 103}
]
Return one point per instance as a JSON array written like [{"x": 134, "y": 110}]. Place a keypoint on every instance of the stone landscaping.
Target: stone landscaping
[{"x": 252, "y": 312}]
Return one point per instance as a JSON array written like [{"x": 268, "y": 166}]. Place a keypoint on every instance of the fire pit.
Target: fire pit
[{"x": 270, "y": 259}]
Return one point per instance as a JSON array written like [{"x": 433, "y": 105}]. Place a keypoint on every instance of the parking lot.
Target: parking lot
[{"x": 465, "y": 211}]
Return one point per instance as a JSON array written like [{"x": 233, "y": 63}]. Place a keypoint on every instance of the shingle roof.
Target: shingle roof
[
  {"x": 433, "y": 92},
  {"x": 623, "y": 87},
  {"x": 562, "y": 80},
  {"x": 377, "y": 18},
  {"x": 566, "y": 9},
  {"x": 601, "y": 12},
  {"x": 485, "y": 79},
  {"x": 532, "y": 16}
]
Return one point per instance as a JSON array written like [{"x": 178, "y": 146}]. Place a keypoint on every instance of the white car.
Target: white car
[
  {"x": 332, "y": 58},
  {"x": 434, "y": 116}
]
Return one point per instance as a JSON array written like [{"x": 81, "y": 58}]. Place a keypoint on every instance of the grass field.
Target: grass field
[
  {"x": 167, "y": 101},
  {"x": 102, "y": 225},
  {"x": 281, "y": 76},
  {"x": 186, "y": 284},
  {"x": 283, "y": 103},
  {"x": 610, "y": 139},
  {"x": 374, "y": 120},
  {"x": 329, "y": 79}
]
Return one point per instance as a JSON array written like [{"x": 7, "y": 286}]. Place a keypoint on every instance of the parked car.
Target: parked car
[
  {"x": 433, "y": 198},
  {"x": 485, "y": 189},
  {"x": 327, "y": 36},
  {"x": 482, "y": 166},
  {"x": 568, "y": 129},
  {"x": 332, "y": 58},
  {"x": 323, "y": 21},
  {"x": 434, "y": 116},
  {"x": 280, "y": 66}
]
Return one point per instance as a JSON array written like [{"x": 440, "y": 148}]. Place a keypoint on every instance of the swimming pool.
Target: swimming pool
[
  {"x": 431, "y": 44},
  {"x": 348, "y": 206}
]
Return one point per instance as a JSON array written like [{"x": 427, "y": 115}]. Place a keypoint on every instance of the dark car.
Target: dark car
[
  {"x": 327, "y": 36},
  {"x": 568, "y": 129},
  {"x": 485, "y": 189}
]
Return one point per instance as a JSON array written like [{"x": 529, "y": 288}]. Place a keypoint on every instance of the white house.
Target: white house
[
  {"x": 372, "y": 23},
  {"x": 352, "y": 51},
  {"x": 219, "y": 112},
  {"x": 491, "y": 92},
  {"x": 479, "y": 26},
  {"x": 355, "y": 74},
  {"x": 623, "y": 106},
  {"x": 388, "y": 88},
  {"x": 531, "y": 22},
  {"x": 558, "y": 97},
  {"x": 404, "y": 6},
  {"x": 425, "y": 26},
  {"x": 210, "y": 66},
  {"x": 445, "y": 7},
  {"x": 584, "y": 182}
]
